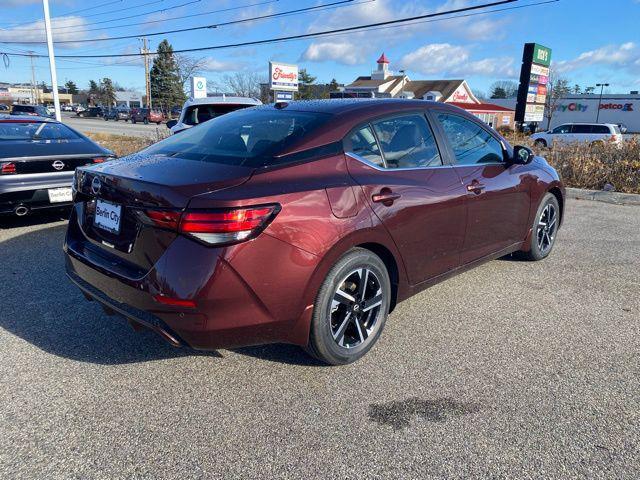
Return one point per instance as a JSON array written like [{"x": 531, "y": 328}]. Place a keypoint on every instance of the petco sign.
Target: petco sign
[
  {"x": 283, "y": 76},
  {"x": 624, "y": 107}
]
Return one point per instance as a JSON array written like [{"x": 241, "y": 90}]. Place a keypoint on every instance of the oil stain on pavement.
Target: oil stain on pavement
[{"x": 398, "y": 414}]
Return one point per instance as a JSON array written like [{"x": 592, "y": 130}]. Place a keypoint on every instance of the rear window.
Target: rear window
[
  {"x": 35, "y": 131},
  {"x": 246, "y": 137},
  {"x": 197, "y": 114},
  {"x": 600, "y": 129}
]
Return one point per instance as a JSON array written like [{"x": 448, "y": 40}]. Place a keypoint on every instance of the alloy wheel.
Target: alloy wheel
[
  {"x": 547, "y": 226},
  {"x": 356, "y": 308}
]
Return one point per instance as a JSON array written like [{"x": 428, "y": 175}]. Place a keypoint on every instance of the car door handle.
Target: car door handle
[
  {"x": 386, "y": 197},
  {"x": 475, "y": 187}
]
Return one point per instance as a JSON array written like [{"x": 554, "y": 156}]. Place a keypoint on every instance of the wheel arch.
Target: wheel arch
[
  {"x": 557, "y": 192},
  {"x": 390, "y": 262}
]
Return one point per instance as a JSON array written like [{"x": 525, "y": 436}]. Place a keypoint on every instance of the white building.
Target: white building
[{"x": 618, "y": 109}]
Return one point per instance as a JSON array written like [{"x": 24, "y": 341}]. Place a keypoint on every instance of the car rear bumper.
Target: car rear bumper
[
  {"x": 240, "y": 298},
  {"x": 31, "y": 190}
]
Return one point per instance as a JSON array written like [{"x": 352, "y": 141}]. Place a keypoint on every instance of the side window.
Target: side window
[
  {"x": 602, "y": 129},
  {"x": 581, "y": 129},
  {"x": 407, "y": 142},
  {"x": 562, "y": 129},
  {"x": 471, "y": 143},
  {"x": 363, "y": 143}
]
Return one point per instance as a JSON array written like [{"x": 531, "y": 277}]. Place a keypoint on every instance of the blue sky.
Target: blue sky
[{"x": 592, "y": 40}]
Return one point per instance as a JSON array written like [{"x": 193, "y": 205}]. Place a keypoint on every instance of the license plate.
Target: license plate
[
  {"x": 59, "y": 195},
  {"x": 107, "y": 216}
]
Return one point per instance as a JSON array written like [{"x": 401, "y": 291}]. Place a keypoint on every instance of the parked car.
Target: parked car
[
  {"x": 120, "y": 113},
  {"x": 4, "y": 107},
  {"x": 200, "y": 110},
  {"x": 66, "y": 107},
  {"x": 590, "y": 133},
  {"x": 146, "y": 115},
  {"x": 78, "y": 108},
  {"x": 32, "y": 110},
  {"x": 37, "y": 161},
  {"x": 91, "y": 112},
  {"x": 304, "y": 222}
]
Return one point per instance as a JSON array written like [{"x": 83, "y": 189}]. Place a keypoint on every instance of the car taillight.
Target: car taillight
[
  {"x": 219, "y": 227},
  {"x": 8, "y": 168}
]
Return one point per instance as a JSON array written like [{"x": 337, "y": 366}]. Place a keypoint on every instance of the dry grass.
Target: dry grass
[
  {"x": 593, "y": 167},
  {"x": 123, "y": 145},
  {"x": 580, "y": 166}
]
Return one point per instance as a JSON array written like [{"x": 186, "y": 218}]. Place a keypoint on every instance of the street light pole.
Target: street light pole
[
  {"x": 601, "y": 85},
  {"x": 52, "y": 60}
]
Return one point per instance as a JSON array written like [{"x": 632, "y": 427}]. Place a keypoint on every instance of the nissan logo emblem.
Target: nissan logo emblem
[
  {"x": 58, "y": 165},
  {"x": 96, "y": 184}
]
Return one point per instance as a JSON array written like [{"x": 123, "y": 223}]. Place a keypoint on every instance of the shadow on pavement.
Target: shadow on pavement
[
  {"x": 40, "y": 305},
  {"x": 36, "y": 218}
]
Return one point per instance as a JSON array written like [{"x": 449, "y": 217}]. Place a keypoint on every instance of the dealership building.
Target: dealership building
[{"x": 382, "y": 83}]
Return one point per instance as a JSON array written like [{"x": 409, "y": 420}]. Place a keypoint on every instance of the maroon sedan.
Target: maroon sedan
[{"x": 304, "y": 222}]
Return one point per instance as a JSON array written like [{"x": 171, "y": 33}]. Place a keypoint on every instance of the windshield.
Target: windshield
[
  {"x": 36, "y": 131},
  {"x": 245, "y": 137}
]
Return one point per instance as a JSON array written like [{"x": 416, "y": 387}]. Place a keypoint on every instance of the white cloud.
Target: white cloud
[
  {"x": 341, "y": 52},
  {"x": 624, "y": 56},
  {"x": 210, "y": 64},
  {"x": 445, "y": 60},
  {"x": 64, "y": 29}
]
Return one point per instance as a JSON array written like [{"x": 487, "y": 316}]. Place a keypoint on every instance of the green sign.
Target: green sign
[{"x": 541, "y": 55}]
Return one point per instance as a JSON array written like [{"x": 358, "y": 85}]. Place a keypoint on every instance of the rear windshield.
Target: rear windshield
[
  {"x": 246, "y": 137},
  {"x": 196, "y": 114},
  {"x": 35, "y": 131}
]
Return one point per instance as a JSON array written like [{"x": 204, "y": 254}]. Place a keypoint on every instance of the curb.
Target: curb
[{"x": 615, "y": 198}]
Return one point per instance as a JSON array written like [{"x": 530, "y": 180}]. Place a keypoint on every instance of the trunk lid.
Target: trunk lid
[{"x": 139, "y": 183}]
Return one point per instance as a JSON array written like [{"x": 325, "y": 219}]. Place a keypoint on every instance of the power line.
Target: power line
[
  {"x": 327, "y": 6},
  {"x": 67, "y": 13},
  {"x": 396, "y": 22},
  {"x": 166, "y": 19}
]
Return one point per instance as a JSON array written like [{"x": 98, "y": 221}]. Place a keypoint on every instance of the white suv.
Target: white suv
[
  {"x": 591, "y": 133},
  {"x": 199, "y": 110}
]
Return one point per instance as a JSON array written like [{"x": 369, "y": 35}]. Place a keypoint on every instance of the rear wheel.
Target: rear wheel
[
  {"x": 544, "y": 229},
  {"x": 351, "y": 308}
]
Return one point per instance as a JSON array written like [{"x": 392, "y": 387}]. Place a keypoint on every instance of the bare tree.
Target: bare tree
[
  {"x": 504, "y": 89},
  {"x": 188, "y": 67},
  {"x": 557, "y": 88},
  {"x": 244, "y": 84}
]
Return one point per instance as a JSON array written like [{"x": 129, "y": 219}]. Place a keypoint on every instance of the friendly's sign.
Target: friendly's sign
[{"x": 283, "y": 77}]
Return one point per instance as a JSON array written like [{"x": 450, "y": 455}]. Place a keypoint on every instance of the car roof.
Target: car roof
[
  {"x": 25, "y": 119},
  {"x": 589, "y": 123},
  {"x": 222, "y": 100},
  {"x": 343, "y": 105}
]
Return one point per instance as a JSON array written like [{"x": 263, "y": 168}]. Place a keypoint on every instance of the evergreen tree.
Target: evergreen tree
[
  {"x": 498, "y": 92},
  {"x": 333, "y": 85},
  {"x": 305, "y": 80},
  {"x": 71, "y": 87},
  {"x": 93, "y": 88},
  {"x": 166, "y": 84},
  {"x": 107, "y": 92}
]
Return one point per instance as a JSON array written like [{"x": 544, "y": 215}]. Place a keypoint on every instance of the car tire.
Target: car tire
[
  {"x": 540, "y": 143},
  {"x": 347, "y": 321},
  {"x": 158, "y": 123},
  {"x": 543, "y": 239}
]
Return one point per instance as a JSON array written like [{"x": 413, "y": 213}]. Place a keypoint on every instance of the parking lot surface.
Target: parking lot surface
[
  {"x": 98, "y": 125},
  {"x": 512, "y": 370}
]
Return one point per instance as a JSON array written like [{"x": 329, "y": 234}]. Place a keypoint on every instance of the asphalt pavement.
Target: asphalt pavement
[
  {"x": 99, "y": 125},
  {"x": 512, "y": 370}
]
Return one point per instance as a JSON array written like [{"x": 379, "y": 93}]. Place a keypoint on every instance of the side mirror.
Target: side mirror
[
  {"x": 171, "y": 123},
  {"x": 522, "y": 155}
]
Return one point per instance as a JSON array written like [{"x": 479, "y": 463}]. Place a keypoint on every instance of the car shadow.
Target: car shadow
[
  {"x": 41, "y": 306},
  {"x": 42, "y": 217}
]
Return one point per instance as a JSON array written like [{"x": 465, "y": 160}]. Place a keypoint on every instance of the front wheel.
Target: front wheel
[
  {"x": 544, "y": 229},
  {"x": 351, "y": 308}
]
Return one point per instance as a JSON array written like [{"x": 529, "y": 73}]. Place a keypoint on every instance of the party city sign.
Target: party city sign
[{"x": 572, "y": 107}]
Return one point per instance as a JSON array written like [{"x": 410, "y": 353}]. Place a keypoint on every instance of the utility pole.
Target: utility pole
[
  {"x": 601, "y": 85},
  {"x": 52, "y": 60},
  {"x": 147, "y": 82},
  {"x": 34, "y": 91}
]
